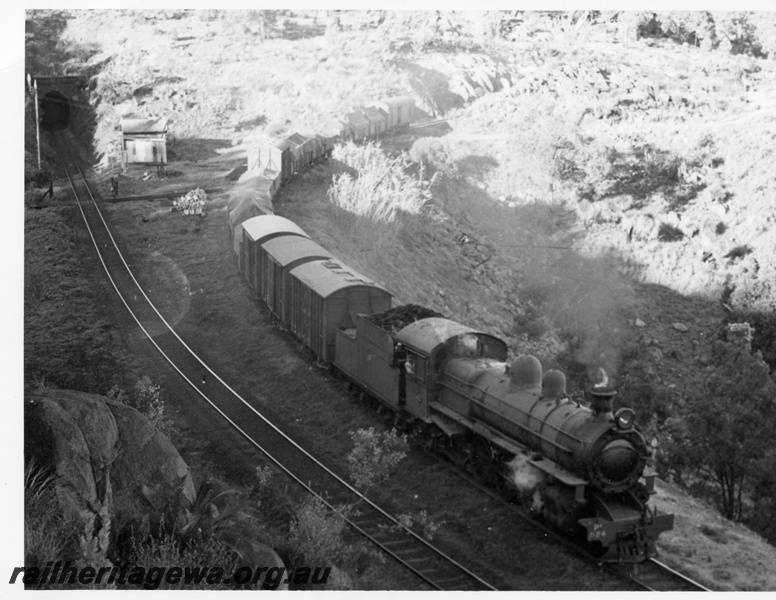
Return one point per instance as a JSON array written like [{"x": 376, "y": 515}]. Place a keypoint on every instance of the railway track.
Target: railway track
[{"x": 434, "y": 569}]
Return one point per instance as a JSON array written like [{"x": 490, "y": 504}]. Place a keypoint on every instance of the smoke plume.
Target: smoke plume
[{"x": 527, "y": 479}]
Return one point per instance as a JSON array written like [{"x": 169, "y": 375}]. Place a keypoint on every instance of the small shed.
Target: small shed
[
  {"x": 358, "y": 124},
  {"x": 327, "y": 295},
  {"x": 276, "y": 259},
  {"x": 401, "y": 110},
  {"x": 378, "y": 120},
  {"x": 144, "y": 141},
  {"x": 256, "y": 231}
]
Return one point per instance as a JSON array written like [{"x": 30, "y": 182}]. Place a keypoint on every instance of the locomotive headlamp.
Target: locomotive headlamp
[{"x": 625, "y": 418}]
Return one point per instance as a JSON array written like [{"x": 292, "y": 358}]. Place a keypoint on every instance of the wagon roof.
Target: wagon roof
[
  {"x": 280, "y": 144},
  {"x": 297, "y": 139},
  {"x": 426, "y": 335},
  {"x": 356, "y": 118},
  {"x": 263, "y": 226},
  {"x": 333, "y": 127},
  {"x": 374, "y": 114},
  {"x": 288, "y": 248},
  {"x": 265, "y": 182},
  {"x": 246, "y": 209},
  {"x": 155, "y": 125},
  {"x": 325, "y": 277},
  {"x": 397, "y": 101}
]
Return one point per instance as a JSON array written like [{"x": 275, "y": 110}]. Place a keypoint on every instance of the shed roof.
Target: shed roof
[
  {"x": 263, "y": 226},
  {"x": 155, "y": 125},
  {"x": 426, "y": 335},
  {"x": 288, "y": 248},
  {"x": 325, "y": 277}
]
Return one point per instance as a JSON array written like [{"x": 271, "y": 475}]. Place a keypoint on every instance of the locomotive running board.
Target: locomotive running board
[
  {"x": 560, "y": 474},
  {"x": 548, "y": 467}
]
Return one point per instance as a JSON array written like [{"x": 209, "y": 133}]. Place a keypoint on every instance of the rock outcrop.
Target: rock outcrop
[{"x": 87, "y": 439}]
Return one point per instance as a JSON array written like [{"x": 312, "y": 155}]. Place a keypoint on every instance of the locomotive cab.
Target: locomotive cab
[{"x": 431, "y": 343}]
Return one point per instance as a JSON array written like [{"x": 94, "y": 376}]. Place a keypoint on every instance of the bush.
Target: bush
[
  {"x": 669, "y": 233},
  {"x": 48, "y": 534},
  {"x": 146, "y": 397},
  {"x": 381, "y": 187},
  {"x": 763, "y": 335},
  {"x": 374, "y": 455},
  {"x": 739, "y": 252}
]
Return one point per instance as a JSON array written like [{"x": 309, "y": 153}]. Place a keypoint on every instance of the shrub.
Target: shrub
[
  {"x": 317, "y": 532},
  {"x": 721, "y": 228},
  {"x": 381, "y": 187},
  {"x": 146, "y": 397},
  {"x": 763, "y": 335},
  {"x": 739, "y": 252},
  {"x": 49, "y": 535},
  {"x": 374, "y": 455},
  {"x": 669, "y": 233}
]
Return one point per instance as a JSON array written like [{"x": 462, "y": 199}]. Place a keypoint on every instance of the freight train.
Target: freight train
[{"x": 581, "y": 468}]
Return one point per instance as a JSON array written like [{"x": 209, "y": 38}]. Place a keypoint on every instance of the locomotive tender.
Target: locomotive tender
[{"x": 583, "y": 469}]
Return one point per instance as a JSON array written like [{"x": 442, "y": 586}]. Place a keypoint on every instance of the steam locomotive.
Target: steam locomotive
[{"x": 583, "y": 469}]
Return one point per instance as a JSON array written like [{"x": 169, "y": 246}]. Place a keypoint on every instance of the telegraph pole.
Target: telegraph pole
[{"x": 37, "y": 121}]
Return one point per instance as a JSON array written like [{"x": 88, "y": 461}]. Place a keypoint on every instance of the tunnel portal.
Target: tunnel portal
[{"x": 54, "y": 111}]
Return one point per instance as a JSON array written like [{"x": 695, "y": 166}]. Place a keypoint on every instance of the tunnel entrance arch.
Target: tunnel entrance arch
[
  {"x": 54, "y": 111},
  {"x": 60, "y": 103}
]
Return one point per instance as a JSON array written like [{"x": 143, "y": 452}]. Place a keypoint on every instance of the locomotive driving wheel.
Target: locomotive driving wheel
[{"x": 483, "y": 465}]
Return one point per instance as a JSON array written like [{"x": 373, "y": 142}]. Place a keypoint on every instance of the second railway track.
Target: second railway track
[{"x": 433, "y": 568}]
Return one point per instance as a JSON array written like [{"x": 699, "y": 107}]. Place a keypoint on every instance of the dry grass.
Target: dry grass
[{"x": 722, "y": 555}]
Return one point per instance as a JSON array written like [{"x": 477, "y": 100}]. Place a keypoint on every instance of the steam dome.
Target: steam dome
[
  {"x": 526, "y": 373},
  {"x": 553, "y": 385}
]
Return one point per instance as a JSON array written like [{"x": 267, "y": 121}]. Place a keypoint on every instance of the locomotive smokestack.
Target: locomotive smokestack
[
  {"x": 601, "y": 400},
  {"x": 601, "y": 396}
]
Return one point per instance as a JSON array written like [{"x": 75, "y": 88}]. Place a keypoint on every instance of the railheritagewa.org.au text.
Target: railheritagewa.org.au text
[{"x": 151, "y": 578}]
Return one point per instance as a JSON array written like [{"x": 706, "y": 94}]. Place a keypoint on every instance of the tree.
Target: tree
[{"x": 727, "y": 429}]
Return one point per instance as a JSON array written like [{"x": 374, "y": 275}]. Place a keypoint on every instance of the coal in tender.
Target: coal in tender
[{"x": 398, "y": 318}]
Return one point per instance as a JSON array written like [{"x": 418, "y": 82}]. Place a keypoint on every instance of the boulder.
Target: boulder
[{"x": 86, "y": 438}]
